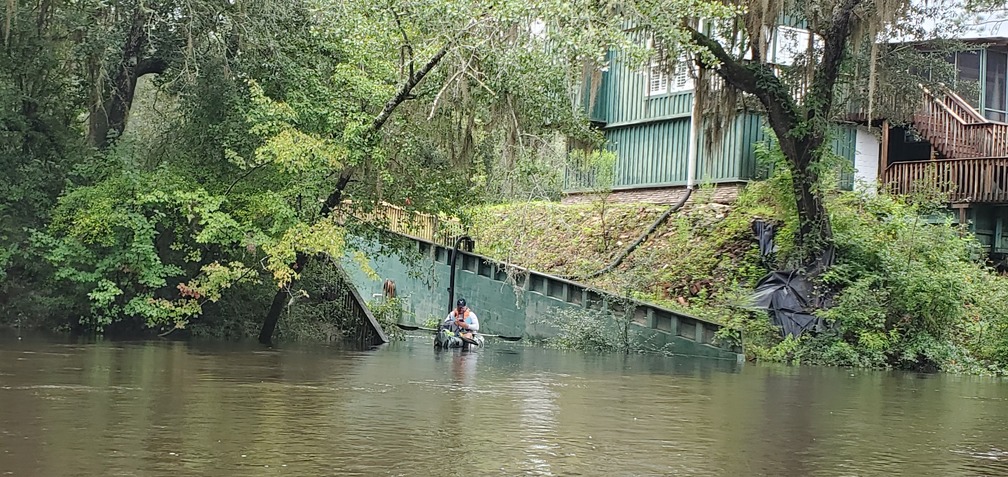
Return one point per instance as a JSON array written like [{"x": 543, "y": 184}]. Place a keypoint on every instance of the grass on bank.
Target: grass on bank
[{"x": 907, "y": 291}]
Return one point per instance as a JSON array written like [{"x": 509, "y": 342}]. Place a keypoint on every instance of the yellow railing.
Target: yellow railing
[{"x": 415, "y": 224}]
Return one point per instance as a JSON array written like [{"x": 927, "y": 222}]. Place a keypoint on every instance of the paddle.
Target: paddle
[{"x": 414, "y": 328}]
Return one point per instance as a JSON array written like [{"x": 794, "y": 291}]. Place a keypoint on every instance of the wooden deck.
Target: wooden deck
[
  {"x": 962, "y": 180},
  {"x": 970, "y": 153},
  {"x": 957, "y": 131}
]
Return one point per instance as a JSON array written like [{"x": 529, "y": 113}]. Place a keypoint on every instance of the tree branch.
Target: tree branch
[
  {"x": 337, "y": 195},
  {"x": 407, "y": 47},
  {"x": 404, "y": 91},
  {"x": 150, "y": 65},
  {"x": 734, "y": 73},
  {"x": 834, "y": 47},
  {"x": 243, "y": 176},
  {"x": 406, "y": 88},
  {"x": 756, "y": 79}
]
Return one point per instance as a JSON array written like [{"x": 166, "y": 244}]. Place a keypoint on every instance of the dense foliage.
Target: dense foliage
[
  {"x": 165, "y": 163},
  {"x": 168, "y": 159},
  {"x": 910, "y": 289}
]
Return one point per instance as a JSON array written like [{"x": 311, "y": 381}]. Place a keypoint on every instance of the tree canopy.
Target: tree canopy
[
  {"x": 212, "y": 140},
  {"x": 162, "y": 153}
]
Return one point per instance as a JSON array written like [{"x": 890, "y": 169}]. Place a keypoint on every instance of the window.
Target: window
[
  {"x": 789, "y": 42},
  {"x": 995, "y": 103},
  {"x": 662, "y": 81},
  {"x": 968, "y": 66},
  {"x": 657, "y": 77},
  {"x": 681, "y": 80}
]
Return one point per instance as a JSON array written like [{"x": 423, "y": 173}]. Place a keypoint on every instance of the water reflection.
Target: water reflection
[
  {"x": 538, "y": 424},
  {"x": 462, "y": 365},
  {"x": 210, "y": 409}
]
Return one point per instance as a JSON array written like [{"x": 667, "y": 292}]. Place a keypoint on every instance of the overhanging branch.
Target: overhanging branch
[
  {"x": 404, "y": 91},
  {"x": 735, "y": 74},
  {"x": 834, "y": 47},
  {"x": 150, "y": 65},
  {"x": 406, "y": 88},
  {"x": 756, "y": 79}
]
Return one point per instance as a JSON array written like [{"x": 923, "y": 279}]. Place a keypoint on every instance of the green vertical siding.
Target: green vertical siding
[
  {"x": 734, "y": 158},
  {"x": 626, "y": 100},
  {"x": 650, "y": 154},
  {"x": 845, "y": 146},
  {"x": 656, "y": 154}
]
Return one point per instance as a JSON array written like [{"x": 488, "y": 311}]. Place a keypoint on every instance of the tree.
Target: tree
[
  {"x": 123, "y": 40},
  {"x": 160, "y": 223},
  {"x": 260, "y": 141},
  {"x": 40, "y": 145},
  {"x": 733, "y": 46},
  {"x": 485, "y": 43}
]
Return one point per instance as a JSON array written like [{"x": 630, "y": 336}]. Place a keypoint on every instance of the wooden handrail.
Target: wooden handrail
[
  {"x": 949, "y": 111},
  {"x": 960, "y": 103},
  {"x": 981, "y": 179},
  {"x": 958, "y": 131}
]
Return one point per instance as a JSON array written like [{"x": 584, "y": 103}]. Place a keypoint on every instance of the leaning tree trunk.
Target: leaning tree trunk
[
  {"x": 110, "y": 108},
  {"x": 282, "y": 297}
]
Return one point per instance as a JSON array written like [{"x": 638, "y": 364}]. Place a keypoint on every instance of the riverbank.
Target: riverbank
[
  {"x": 909, "y": 289},
  {"x": 696, "y": 262}
]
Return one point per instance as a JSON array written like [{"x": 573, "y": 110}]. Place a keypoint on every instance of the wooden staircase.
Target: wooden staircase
[
  {"x": 958, "y": 131},
  {"x": 973, "y": 153}
]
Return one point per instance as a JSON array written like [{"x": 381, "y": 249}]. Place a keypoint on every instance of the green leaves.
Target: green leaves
[
  {"x": 908, "y": 287},
  {"x": 325, "y": 237},
  {"x": 130, "y": 240},
  {"x": 231, "y": 151}
]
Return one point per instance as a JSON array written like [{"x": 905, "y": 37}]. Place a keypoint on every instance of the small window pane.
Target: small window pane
[
  {"x": 994, "y": 82},
  {"x": 968, "y": 65}
]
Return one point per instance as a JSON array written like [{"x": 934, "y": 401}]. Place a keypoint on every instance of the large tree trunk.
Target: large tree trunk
[
  {"x": 815, "y": 233},
  {"x": 110, "y": 108},
  {"x": 800, "y": 129},
  {"x": 280, "y": 300}
]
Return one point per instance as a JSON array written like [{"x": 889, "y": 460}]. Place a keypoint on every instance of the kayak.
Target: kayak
[{"x": 447, "y": 338}]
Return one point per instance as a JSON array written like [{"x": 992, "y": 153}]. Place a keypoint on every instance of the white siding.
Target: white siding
[{"x": 866, "y": 157}]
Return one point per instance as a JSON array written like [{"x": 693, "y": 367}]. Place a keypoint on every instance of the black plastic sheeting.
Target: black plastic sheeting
[
  {"x": 786, "y": 296},
  {"x": 765, "y": 232}
]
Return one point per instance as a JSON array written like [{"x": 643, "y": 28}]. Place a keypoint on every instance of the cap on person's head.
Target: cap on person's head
[{"x": 460, "y": 303}]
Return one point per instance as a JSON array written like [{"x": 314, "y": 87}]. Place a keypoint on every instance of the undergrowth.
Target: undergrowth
[{"x": 907, "y": 291}]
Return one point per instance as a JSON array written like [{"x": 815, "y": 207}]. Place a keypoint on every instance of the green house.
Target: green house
[
  {"x": 955, "y": 143},
  {"x": 645, "y": 114}
]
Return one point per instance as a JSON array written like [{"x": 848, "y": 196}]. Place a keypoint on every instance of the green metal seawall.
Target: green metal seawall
[{"x": 421, "y": 274}]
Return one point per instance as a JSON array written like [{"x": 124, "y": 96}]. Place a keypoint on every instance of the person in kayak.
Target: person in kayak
[{"x": 463, "y": 320}]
